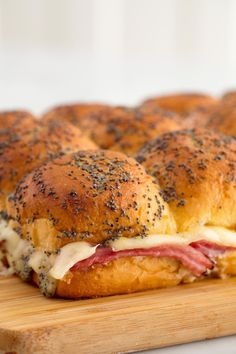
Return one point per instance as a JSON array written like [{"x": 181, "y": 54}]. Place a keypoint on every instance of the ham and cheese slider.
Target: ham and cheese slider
[
  {"x": 196, "y": 170},
  {"x": 117, "y": 128},
  {"x": 93, "y": 223},
  {"x": 20, "y": 153},
  {"x": 181, "y": 103}
]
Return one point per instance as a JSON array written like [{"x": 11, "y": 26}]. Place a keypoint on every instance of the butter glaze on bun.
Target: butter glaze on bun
[
  {"x": 21, "y": 153},
  {"x": 182, "y": 103},
  {"x": 196, "y": 170},
  {"x": 88, "y": 196}
]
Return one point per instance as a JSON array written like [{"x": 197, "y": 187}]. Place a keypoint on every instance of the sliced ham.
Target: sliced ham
[
  {"x": 210, "y": 249},
  {"x": 190, "y": 257}
]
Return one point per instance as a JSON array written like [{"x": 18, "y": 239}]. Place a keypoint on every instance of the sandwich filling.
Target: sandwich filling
[{"x": 196, "y": 250}]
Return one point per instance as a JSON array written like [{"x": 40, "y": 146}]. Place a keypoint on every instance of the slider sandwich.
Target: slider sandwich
[
  {"x": 92, "y": 224},
  {"x": 196, "y": 171},
  {"x": 120, "y": 128},
  {"x": 20, "y": 153}
]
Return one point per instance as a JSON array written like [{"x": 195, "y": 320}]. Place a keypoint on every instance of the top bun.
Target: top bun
[
  {"x": 117, "y": 128},
  {"x": 16, "y": 122},
  {"x": 21, "y": 153},
  {"x": 183, "y": 103},
  {"x": 126, "y": 130},
  {"x": 230, "y": 96},
  {"x": 221, "y": 117},
  {"x": 89, "y": 195},
  {"x": 196, "y": 170},
  {"x": 80, "y": 115}
]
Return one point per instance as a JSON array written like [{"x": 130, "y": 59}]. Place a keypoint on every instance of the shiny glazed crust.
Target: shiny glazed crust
[
  {"x": 196, "y": 170},
  {"x": 88, "y": 196},
  {"x": 21, "y": 153}
]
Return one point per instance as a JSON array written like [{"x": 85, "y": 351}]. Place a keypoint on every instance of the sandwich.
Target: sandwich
[
  {"x": 196, "y": 171},
  {"x": 21, "y": 152},
  {"x": 83, "y": 223}
]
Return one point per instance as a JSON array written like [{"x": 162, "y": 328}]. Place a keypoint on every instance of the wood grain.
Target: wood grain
[{"x": 32, "y": 324}]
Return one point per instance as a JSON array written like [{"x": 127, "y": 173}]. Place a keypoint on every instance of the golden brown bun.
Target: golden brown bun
[
  {"x": 15, "y": 122},
  {"x": 221, "y": 118},
  {"x": 80, "y": 115},
  {"x": 196, "y": 170},
  {"x": 132, "y": 274},
  {"x": 24, "y": 152},
  {"x": 230, "y": 96},
  {"x": 122, "y": 276},
  {"x": 91, "y": 196},
  {"x": 126, "y": 129},
  {"x": 117, "y": 128},
  {"x": 182, "y": 103}
]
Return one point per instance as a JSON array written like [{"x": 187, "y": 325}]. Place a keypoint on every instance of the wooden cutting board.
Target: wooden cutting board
[{"x": 32, "y": 324}]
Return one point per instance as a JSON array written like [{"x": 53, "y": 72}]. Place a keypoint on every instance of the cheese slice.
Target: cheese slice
[
  {"x": 71, "y": 254},
  {"x": 218, "y": 235}
]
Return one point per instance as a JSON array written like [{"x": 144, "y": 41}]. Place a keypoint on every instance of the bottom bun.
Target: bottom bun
[
  {"x": 131, "y": 274},
  {"x": 122, "y": 276}
]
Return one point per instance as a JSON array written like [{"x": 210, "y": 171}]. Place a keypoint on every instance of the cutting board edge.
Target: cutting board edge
[{"x": 21, "y": 342}]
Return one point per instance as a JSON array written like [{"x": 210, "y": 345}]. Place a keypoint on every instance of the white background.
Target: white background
[
  {"x": 113, "y": 50},
  {"x": 54, "y": 51}
]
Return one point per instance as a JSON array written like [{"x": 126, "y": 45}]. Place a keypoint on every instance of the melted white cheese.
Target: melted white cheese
[
  {"x": 75, "y": 252},
  {"x": 218, "y": 235},
  {"x": 14, "y": 246},
  {"x": 36, "y": 259},
  {"x": 71, "y": 254}
]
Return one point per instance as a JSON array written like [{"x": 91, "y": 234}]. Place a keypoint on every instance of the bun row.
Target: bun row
[{"x": 99, "y": 200}]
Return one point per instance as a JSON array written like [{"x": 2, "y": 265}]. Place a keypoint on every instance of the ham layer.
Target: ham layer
[{"x": 198, "y": 256}]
